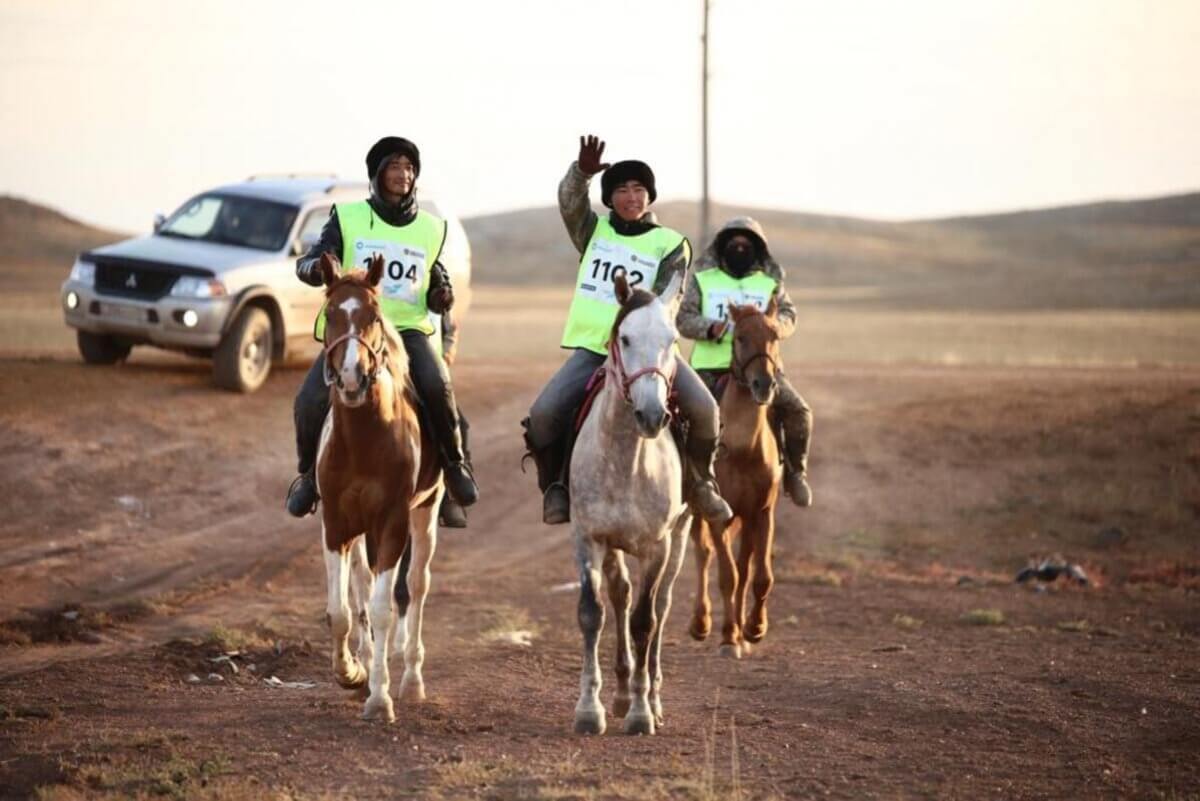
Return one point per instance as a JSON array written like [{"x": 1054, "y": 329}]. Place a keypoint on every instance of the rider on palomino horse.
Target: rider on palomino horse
[
  {"x": 629, "y": 241},
  {"x": 738, "y": 268},
  {"x": 415, "y": 284}
]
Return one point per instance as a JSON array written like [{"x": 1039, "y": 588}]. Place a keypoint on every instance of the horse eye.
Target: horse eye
[{"x": 624, "y": 340}]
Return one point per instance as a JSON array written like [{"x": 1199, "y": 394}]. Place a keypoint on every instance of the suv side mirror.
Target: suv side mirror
[{"x": 159, "y": 219}]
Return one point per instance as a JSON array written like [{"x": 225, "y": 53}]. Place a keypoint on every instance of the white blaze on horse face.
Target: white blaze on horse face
[
  {"x": 651, "y": 335},
  {"x": 349, "y": 368}
]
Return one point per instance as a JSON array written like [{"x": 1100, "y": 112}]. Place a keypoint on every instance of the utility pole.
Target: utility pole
[{"x": 704, "y": 133}]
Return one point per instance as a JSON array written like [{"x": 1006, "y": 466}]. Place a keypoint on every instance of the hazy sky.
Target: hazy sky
[{"x": 116, "y": 109}]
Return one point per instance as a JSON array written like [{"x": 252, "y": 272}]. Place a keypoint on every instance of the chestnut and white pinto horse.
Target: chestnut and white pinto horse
[
  {"x": 627, "y": 498},
  {"x": 380, "y": 479}
]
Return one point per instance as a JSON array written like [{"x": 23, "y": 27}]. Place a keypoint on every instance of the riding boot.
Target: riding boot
[
  {"x": 706, "y": 498},
  {"x": 794, "y": 452},
  {"x": 308, "y": 413},
  {"x": 460, "y": 483},
  {"x": 550, "y": 462},
  {"x": 451, "y": 513},
  {"x": 302, "y": 495}
]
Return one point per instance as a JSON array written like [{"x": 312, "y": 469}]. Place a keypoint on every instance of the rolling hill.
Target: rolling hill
[{"x": 1140, "y": 254}]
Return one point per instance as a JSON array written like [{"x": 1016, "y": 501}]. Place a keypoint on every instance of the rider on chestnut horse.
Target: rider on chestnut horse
[
  {"x": 415, "y": 284},
  {"x": 738, "y": 268}
]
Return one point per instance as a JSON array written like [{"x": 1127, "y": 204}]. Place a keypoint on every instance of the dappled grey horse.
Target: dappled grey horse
[{"x": 627, "y": 498}]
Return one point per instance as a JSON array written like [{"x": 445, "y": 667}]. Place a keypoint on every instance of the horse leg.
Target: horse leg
[
  {"x": 640, "y": 719},
  {"x": 745, "y": 551},
  {"x": 347, "y": 670},
  {"x": 400, "y": 630},
  {"x": 661, "y": 610},
  {"x": 589, "y": 713},
  {"x": 360, "y": 591},
  {"x": 702, "y": 536},
  {"x": 764, "y": 577},
  {"x": 727, "y": 575},
  {"x": 619, "y": 593},
  {"x": 422, "y": 545},
  {"x": 382, "y": 605}
]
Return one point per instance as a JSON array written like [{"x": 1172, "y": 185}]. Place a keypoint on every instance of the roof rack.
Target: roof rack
[{"x": 266, "y": 176}]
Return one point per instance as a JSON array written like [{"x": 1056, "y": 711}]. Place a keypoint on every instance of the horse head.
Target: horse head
[
  {"x": 642, "y": 350},
  {"x": 355, "y": 339},
  {"x": 756, "y": 350}
]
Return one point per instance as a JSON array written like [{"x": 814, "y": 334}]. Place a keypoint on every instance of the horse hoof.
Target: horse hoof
[
  {"x": 354, "y": 677},
  {"x": 699, "y": 630},
  {"x": 620, "y": 706},
  {"x": 731, "y": 650},
  {"x": 412, "y": 692},
  {"x": 379, "y": 709},
  {"x": 755, "y": 633},
  {"x": 643, "y": 724},
  {"x": 589, "y": 723}
]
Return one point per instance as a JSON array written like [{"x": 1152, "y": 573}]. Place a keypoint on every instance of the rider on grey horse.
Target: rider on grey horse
[
  {"x": 391, "y": 223},
  {"x": 627, "y": 240},
  {"x": 738, "y": 268}
]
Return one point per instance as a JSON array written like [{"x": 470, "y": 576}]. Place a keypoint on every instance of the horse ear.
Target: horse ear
[
  {"x": 671, "y": 296},
  {"x": 329, "y": 269},
  {"x": 624, "y": 293},
  {"x": 375, "y": 270},
  {"x": 772, "y": 307},
  {"x": 736, "y": 312}
]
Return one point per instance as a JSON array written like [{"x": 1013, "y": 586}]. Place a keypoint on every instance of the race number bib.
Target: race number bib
[
  {"x": 605, "y": 261},
  {"x": 717, "y": 301},
  {"x": 403, "y": 267}
]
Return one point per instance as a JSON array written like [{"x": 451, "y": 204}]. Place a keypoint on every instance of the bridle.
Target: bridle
[
  {"x": 378, "y": 356},
  {"x": 739, "y": 370},
  {"x": 626, "y": 380}
]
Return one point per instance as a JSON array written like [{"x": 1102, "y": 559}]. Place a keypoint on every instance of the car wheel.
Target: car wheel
[
  {"x": 243, "y": 359},
  {"x": 101, "y": 349}
]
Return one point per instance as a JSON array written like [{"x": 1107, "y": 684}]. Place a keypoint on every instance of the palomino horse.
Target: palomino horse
[
  {"x": 749, "y": 472},
  {"x": 627, "y": 498},
  {"x": 379, "y": 476}
]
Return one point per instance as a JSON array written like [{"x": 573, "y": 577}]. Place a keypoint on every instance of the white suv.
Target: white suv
[{"x": 217, "y": 278}]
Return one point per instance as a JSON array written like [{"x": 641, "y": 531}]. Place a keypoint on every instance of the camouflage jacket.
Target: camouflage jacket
[
  {"x": 692, "y": 323},
  {"x": 580, "y": 219}
]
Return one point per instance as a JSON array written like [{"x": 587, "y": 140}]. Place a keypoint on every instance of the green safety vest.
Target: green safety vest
[
  {"x": 717, "y": 290},
  {"x": 594, "y": 307},
  {"x": 409, "y": 252}
]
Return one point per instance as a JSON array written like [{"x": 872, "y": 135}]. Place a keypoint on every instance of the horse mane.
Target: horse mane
[{"x": 638, "y": 299}]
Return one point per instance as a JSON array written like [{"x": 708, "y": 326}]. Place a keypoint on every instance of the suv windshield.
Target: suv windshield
[{"x": 232, "y": 220}]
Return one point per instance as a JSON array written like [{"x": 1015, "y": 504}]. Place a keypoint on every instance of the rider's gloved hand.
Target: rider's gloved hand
[
  {"x": 718, "y": 329},
  {"x": 591, "y": 149}
]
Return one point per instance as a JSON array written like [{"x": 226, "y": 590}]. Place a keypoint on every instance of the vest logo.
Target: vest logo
[{"x": 131, "y": 281}]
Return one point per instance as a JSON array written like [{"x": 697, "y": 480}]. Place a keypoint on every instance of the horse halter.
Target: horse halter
[
  {"x": 614, "y": 353},
  {"x": 378, "y": 357},
  {"x": 739, "y": 369}
]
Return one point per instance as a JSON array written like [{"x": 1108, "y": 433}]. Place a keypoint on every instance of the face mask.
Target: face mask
[{"x": 738, "y": 257}]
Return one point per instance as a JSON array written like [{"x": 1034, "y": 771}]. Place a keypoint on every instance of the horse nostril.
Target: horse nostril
[{"x": 639, "y": 417}]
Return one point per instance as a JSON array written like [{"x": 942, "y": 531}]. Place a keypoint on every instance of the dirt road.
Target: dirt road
[{"x": 143, "y": 536}]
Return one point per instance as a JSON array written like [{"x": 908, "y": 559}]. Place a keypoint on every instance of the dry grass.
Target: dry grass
[
  {"x": 983, "y": 617},
  {"x": 907, "y": 622}
]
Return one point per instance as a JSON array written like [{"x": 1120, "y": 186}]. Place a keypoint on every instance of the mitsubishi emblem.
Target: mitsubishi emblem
[{"x": 131, "y": 281}]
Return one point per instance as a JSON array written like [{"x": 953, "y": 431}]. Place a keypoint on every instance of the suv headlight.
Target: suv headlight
[
  {"x": 83, "y": 272},
  {"x": 189, "y": 286}
]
